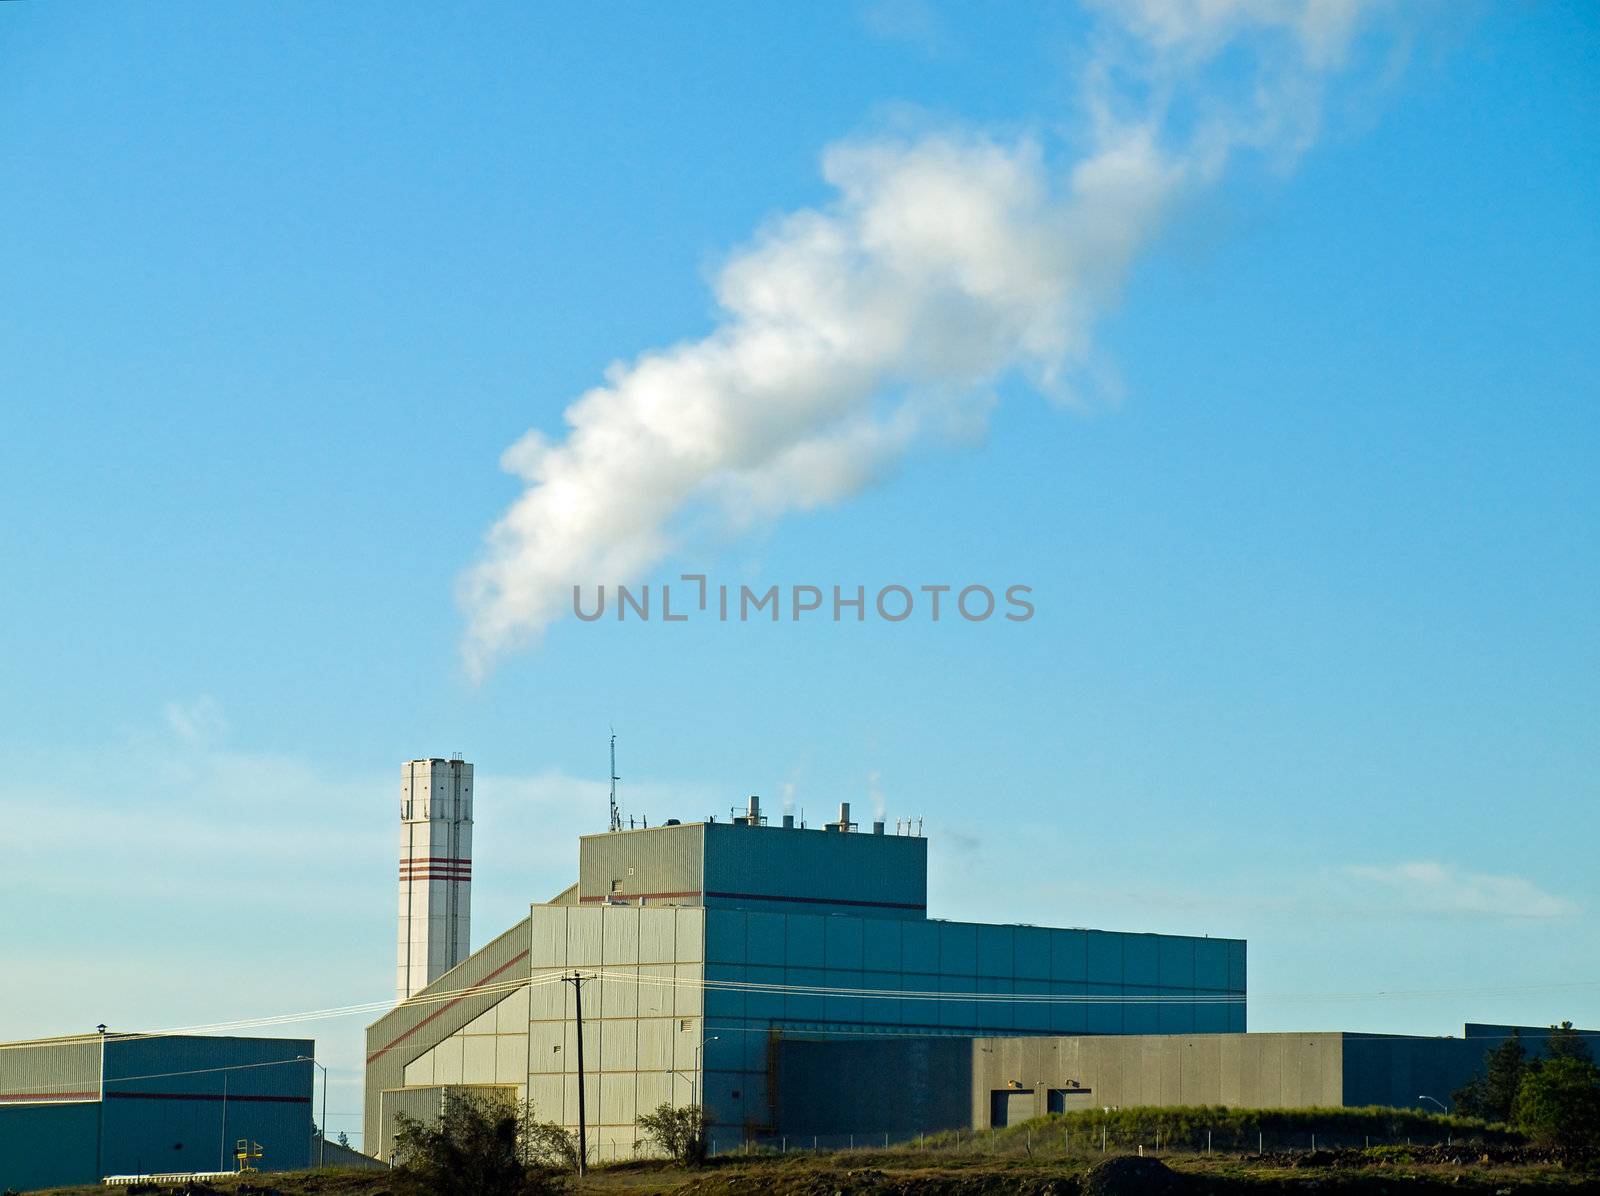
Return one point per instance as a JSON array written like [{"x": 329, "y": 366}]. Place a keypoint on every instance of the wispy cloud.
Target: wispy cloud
[
  {"x": 196, "y": 722},
  {"x": 853, "y": 332},
  {"x": 1428, "y": 887},
  {"x": 913, "y": 23}
]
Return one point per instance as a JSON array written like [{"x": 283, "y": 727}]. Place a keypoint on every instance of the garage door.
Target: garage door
[{"x": 1009, "y": 1106}]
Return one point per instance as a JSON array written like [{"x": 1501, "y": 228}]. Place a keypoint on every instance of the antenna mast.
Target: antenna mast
[{"x": 616, "y": 814}]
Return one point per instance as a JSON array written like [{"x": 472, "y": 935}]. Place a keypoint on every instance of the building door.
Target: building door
[
  {"x": 1009, "y": 1106},
  {"x": 1061, "y": 1100}
]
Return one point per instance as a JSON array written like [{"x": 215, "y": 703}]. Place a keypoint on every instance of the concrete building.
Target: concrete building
[
  {"x": 435, "y": 871},
  {"x": 73, "y": 1110},
  {"x": 704, "y": 945},
  {"x": 904, "y": 1088}
]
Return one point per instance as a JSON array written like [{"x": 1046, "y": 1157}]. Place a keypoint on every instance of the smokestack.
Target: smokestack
[
  {"x": 755, "y": 810},
  {"x": 877, "y": 827},
  {"x": 788, "y": 822},
  {"x": 435, "y": 871},
  {"x": 844, "y": 822}
]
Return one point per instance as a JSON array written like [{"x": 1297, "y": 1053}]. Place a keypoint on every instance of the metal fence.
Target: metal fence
[{"x": 1080, "y": 1141}]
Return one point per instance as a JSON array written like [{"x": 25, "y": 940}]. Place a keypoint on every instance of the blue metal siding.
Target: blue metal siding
[
  {"x": 764, "y": 938},
  {"x": 802, "y": 942},
  {"x": 1069, "y": 955},
  {"x": 725, "y": 939},
  {"x": 855, "y": 957},
  {"x": 812, "y": 871},
  {"x": 997, "y": 951},
  {"x": 48, "y": 1146},
  {"x": 1103, "y": 957},
  {"x": 958, "y": 949},
  {"x": 919, "y": 947},
  {"x": 179, "y": 1104},
  {"x": 1031, "y": 945},
  {"x": 1210, "y": 963},
  {"x": 880, "y": 944},
  {"x": 164, "y": 1110},
  {"x": 1069, "y": 1017},
  {"x": 1141, "y": 959},
  {"x": 842, "y": 937}
]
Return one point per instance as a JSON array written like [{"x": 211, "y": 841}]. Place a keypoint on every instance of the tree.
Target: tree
[
  {"x": 1566, "y": 1043},
  {"x": 344, "y": 1139},
  {"x": 471, "y": 1150},
  {"x": 1559, "y": 1103},
  {"x": 1492, "y": 1095},
  {"x": 678, "y": 1131}
]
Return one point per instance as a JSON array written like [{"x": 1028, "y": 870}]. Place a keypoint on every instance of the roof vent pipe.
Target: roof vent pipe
[
  {"x": 755, "y": 810},
  {"x": 788, "y": 822},
  {"x": 877, "y": 827}
]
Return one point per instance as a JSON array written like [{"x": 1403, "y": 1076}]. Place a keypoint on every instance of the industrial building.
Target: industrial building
[
  {"x": 830, "y": 1089},
  {"x": 73, "y": 1110},
  {"x": 697, "y": 949}
]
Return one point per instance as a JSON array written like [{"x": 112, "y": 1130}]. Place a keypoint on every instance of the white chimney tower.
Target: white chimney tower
[{"x": 435, "y": 870}]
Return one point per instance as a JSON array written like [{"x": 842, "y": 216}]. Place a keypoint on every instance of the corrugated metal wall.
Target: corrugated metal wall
[
  {"x": 411, "y": 1030},
  {"x": 642, "y": 1016},
  {"x": 866, "y": 875},
  {"x": 49, "y": 1071},
  {"x": 48, "y": 1146},
  {"x": 662, "y": 864},
  {"x": 171, "y": 1103},
  {"x": 180, "y": 1104}
]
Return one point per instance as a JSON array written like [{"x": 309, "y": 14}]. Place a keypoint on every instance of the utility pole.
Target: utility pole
[{"x": 577, "y": 1004}]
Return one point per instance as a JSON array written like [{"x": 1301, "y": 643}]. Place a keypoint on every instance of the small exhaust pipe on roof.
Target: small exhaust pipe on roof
[
  {"x": 877, "y": 827},
  {"x": 788, "y": 822}
]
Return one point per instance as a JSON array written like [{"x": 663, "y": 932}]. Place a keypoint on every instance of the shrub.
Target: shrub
[
  {"x": 546, "y": 1144},
  {"x": 678, "y": 1131},
  {"x": 471, "y": 1150}
]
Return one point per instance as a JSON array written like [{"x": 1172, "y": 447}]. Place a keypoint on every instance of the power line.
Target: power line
[{"x": 504, "y": 988}]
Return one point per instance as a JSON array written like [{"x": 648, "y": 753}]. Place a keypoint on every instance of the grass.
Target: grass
[
  {"x": 939, "y": 1172},
  {"x": 1406, "y": 1155}
]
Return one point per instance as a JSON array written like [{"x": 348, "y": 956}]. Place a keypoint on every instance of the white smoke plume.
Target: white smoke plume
[{"x": 853, "y": 331}]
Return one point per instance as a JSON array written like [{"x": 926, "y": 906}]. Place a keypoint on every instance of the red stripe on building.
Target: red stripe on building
[
  {"x": 439, "y": 1012},
  {"x": 231, "y": 1097},
  {"x": 758, "y": 897}
]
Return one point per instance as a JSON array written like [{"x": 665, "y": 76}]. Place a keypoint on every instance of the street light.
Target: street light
[
  {"x": 1442, "y": 1106},
  {"x": 322, "y": 1138},
  {"x": 694, "y": 1078}
]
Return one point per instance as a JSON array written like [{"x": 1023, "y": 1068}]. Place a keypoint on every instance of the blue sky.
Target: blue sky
[{"x": 1311, "y": 535}]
